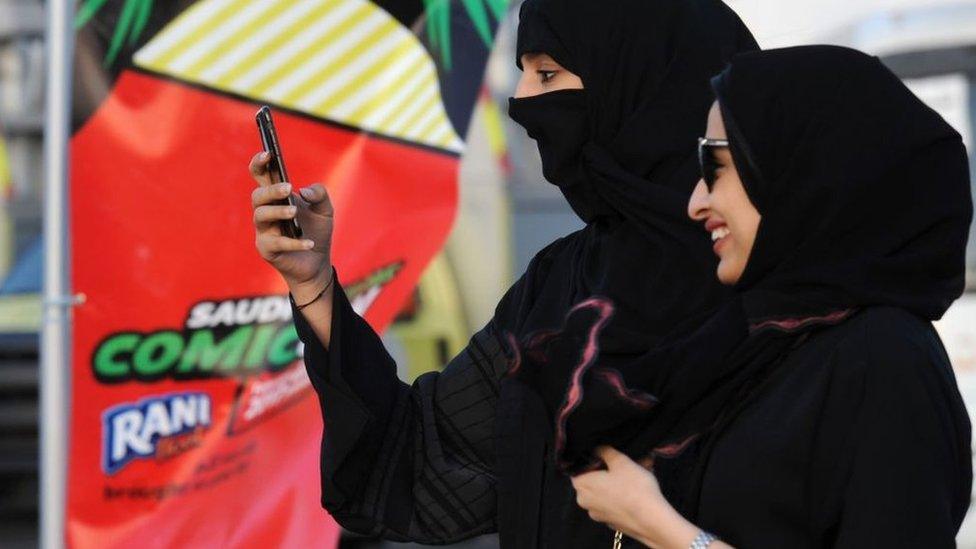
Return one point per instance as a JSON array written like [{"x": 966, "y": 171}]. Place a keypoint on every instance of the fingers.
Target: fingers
[
  {"x": 270, "y": 245},
  {"x": 267, "y": 215},
  {"x": 581, "y": 498},
  {"x": 587, "y": 501},
  {"x": 263, "y": 196},
  {"x": 586, "y": 481},
  {"x": 259, "y": 169},
  {"x": 318, "y": 199}
]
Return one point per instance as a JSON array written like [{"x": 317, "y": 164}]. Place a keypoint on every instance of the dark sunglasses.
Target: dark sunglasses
[{"x": 707, "y": 161}]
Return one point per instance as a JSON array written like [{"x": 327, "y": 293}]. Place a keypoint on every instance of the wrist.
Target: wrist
[
  {"x": 307, "y": 290},
  {"x": 662, "y": 526}
]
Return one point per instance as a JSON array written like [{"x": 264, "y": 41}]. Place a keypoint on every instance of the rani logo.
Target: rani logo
[{"x": 160, "y": 427}]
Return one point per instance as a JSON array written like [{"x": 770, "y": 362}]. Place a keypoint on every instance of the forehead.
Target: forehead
[
  {"x": 537, "y": 58},
  {"x": 716, "y": 126}
]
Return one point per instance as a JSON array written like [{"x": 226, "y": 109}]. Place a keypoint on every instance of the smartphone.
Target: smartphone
[{"x": 276, "y": 167}]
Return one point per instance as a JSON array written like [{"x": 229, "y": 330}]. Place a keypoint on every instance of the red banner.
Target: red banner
[{"x": 192, "y": 419}]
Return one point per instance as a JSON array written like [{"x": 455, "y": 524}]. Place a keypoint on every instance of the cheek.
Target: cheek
[
  {"x": 748, "y": 227},
  {"x": 732, "y": 266},
  {"x": 741, "y": 246},
  {"x": 753, "y": 231},
  {"x": 735, "y": 255},
  {"x": 743, "y": 220}
]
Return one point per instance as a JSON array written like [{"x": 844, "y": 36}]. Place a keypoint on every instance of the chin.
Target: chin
[{"x": 728, "y": 275}]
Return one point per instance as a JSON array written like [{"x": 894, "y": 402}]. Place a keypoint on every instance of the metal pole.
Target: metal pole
[{"x": 55, "y": 329}]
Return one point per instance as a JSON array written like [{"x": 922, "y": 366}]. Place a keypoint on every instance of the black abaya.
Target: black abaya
[{"x": 859, "y": 439}]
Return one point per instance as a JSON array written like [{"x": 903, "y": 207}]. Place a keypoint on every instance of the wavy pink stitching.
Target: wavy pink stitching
[
  {"x": 534, "y": 347},
  {"x": 516, "y": 355},
  {"x": 669, "y": 451},
  {"x": 575, "y": 393},
  {"x": 638, "y": 399},
  {"x": 792, "y": 324}
]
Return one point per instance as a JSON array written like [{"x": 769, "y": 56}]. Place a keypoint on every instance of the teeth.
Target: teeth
[{"x": 720, "y": 233}]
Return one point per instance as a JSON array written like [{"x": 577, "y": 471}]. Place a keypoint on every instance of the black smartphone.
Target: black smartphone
[{"x": 276, "y": 167}]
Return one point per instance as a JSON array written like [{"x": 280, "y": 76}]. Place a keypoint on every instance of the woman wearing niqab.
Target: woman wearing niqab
[{"x": 468, "y": 451}]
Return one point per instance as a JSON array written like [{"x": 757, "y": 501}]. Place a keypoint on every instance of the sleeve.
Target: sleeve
[
  {"x": 910, "y": 460},
  {"x": 407, "y": 463}
]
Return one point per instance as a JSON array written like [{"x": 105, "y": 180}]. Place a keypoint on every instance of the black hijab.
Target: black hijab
[
  {"x": 864, "y": 190},
  {"x": 622, "y": 151},
  {"x": 865, "y": 200}
]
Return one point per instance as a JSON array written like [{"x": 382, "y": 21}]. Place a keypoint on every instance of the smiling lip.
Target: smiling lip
[
  {"x": 714, "y": 226},
  {"x": 718, "y": 244},
  {"x": 712, "y": 223}
]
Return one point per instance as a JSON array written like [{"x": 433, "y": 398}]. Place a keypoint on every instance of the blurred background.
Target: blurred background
[{"x": 507, "y": 211}]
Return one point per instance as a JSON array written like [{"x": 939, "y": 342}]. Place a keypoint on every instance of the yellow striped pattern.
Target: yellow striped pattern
[{"x": 342, "y": 60}]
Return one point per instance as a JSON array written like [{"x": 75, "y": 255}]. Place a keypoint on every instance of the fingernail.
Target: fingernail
[
  {"x": 308, "y": 244},
  {"x": 291, "y": 210},
  {"x": 306, "y": 192},
  {"x": 265, "y": 155},
  {"x": 286, "y": 187}
]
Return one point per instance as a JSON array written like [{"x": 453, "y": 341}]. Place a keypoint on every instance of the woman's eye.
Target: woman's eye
[{"x": 546, "y": 76}]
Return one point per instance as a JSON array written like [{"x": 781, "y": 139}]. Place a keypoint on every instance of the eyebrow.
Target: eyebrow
[{"x": 536, "y": 56}]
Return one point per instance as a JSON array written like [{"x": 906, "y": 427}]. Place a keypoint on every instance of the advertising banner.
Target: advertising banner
[{"x": 192, "y": 421}]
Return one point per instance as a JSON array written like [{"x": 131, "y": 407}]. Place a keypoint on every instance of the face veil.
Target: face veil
[{"x": 557, "y": 121}]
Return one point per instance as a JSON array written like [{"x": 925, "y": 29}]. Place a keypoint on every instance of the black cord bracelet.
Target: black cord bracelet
[{"x": 320, "y": 294}]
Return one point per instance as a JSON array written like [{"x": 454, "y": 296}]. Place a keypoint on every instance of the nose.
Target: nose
[
  {"x": 698, "y": 204},
  {"x": 526, "y": 87}
]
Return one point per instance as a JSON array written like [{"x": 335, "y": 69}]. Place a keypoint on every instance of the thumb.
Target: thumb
[
  {"x": 610, "y": 456},
  {"x": 318, "y": 199}
]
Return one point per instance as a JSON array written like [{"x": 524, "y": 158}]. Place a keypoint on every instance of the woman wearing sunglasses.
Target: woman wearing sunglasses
[{"x": 817, "y": 408}]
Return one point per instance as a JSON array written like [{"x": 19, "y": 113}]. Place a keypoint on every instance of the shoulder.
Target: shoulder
[
  {"x": 890, "y": 322},
  {"x": 888, "y": 368},
  {"x": 890, "y": 333},
  {"x": 523, "y": 292},
  {"x": 556, "y": 253},
  {"x": 558, "y": 246},
  {"x": 878, "y": 329},
  {"x": 890, "y": 347}
]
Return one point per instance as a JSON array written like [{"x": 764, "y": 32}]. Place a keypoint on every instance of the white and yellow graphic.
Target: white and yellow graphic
[{"x": 348, "y": 61}]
